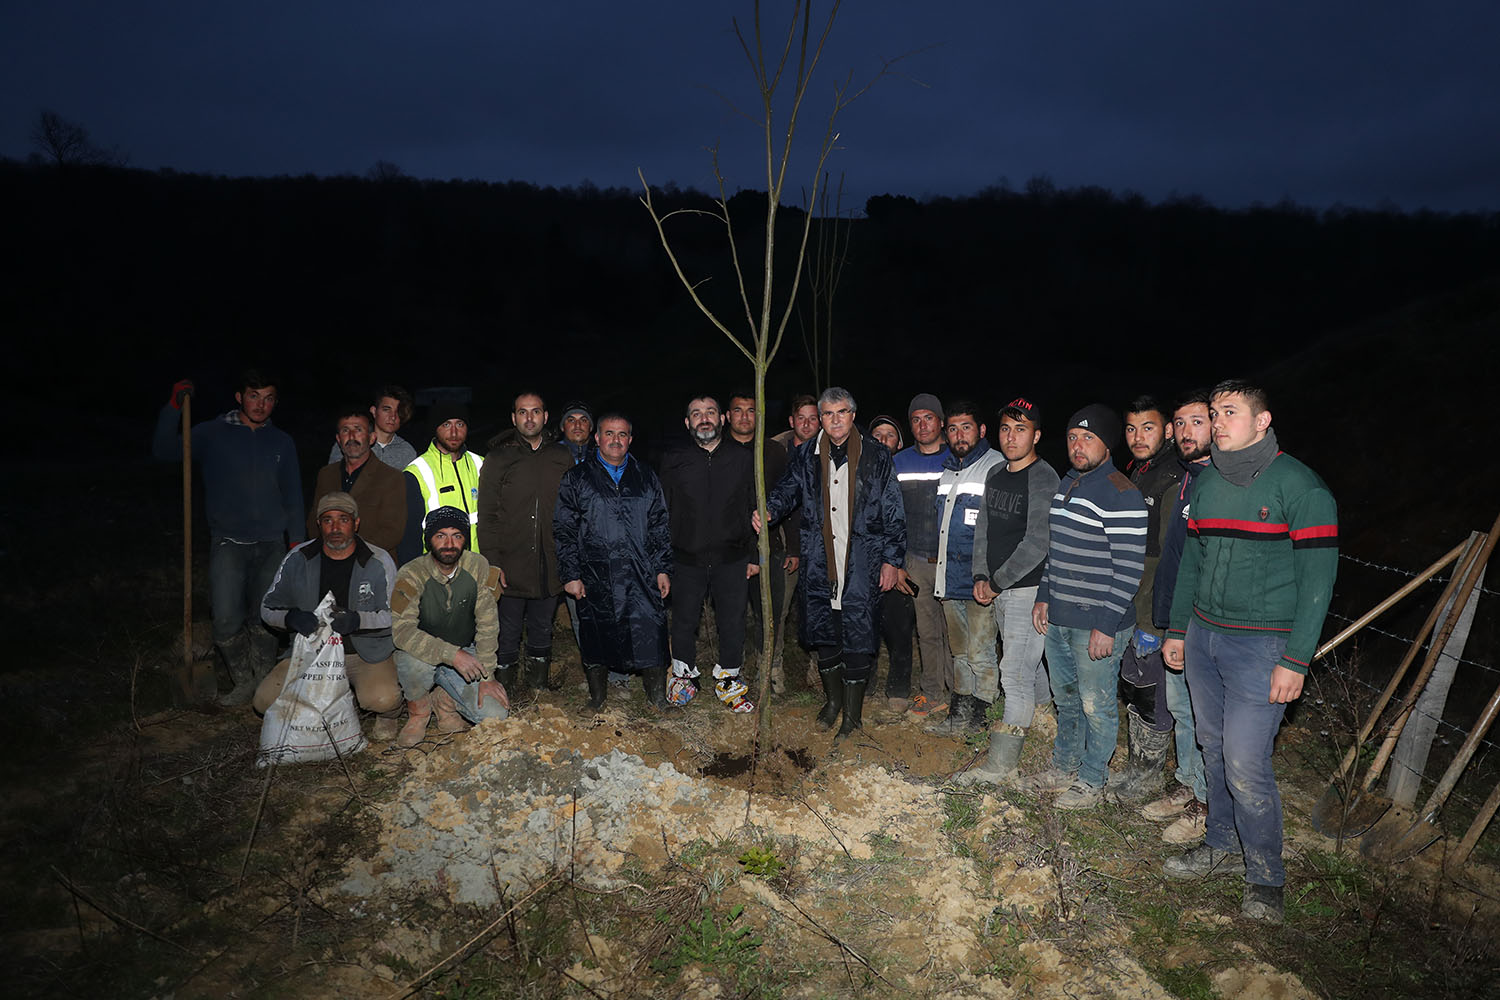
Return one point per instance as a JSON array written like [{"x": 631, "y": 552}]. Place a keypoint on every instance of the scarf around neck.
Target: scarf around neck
[
  {"x": 827, "y": 455},
  {"x": 1241, "y": 467}
]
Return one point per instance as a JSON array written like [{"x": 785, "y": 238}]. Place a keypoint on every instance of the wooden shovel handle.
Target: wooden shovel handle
[{"x": 187, "y": 535}]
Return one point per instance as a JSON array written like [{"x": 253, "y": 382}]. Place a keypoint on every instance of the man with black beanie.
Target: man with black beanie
[{"x": 445, "y": 475}]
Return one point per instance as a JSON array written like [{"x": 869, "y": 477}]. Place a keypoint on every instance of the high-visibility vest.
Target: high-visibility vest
[{"x": 445, "y": 482}]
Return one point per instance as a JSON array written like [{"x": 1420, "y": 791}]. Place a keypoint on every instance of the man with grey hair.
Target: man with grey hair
[{"x": 853, "y": 543}]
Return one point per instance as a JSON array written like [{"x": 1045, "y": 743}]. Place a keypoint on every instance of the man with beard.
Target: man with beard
[
  {"x": 445, "y": 624},
  {"x": 445, "y": 475},
  {"x": 1096, "y": 551},
  {"x": 614, "y": 554},
  {"x": 1010, "y": 543},
  {"x": 392, "y": 408},
  {"x": 971, "y": 628},
  {"x": 1156, "y": 473},
  {"x": 1252, "y": 592},
  {"x": 517, "y": 494},
  {"x": 1187, "y": 804},
  {"x": 361, "y": 576},
  {"x": 709, "y": 487},
  {"x": 379, "y": 489},
  {"x": 253, "y": 494},
  {"x": 918, "y": 469},
  {"x": 853, "y": 543},
  {"x": 783, "y": 564}
]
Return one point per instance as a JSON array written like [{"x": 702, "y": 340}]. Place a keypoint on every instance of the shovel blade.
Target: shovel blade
[
  {"x": 1399, "y": 834},
  {"x": 1335, "y": 815}
]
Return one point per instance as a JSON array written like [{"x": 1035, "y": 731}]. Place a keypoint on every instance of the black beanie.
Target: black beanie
[
  {"x": 445, "y": 517},
  {"x": 445, "y": 409},
  {"x": 1100, "y": 421}
]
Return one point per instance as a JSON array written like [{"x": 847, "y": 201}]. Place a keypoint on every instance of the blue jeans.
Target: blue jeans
[
  {"x": 1088, "y": 708},
  {"x": 239, "y": 574},
  {"x": 1229, "y": 678},
  {"x": 1189, "y": 757},
  {"x": 418, "y": 678},
  {"x": 971, "y": 637},
  {"x": 1021, "y": 672}
]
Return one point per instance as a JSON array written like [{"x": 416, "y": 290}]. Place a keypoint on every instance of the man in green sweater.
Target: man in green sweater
[{"x": 1256, "y": 577}]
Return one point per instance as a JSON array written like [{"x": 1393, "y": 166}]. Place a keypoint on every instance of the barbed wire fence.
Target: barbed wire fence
[{"x": 1479, "y": 676}]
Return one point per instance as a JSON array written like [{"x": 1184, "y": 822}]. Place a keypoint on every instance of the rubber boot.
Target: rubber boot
[
  {"x": 1003, "y": 763},
  {"x": 508, "y": 674},
  {"x": 537, "y": 669},
  {"x": 598, "y": 678},
  {"x": 448, "y": 718},
  {"x": 237, "y": 657},
  {"x": 854, "y": 706},
  {"x": 1144, "y": 774},
  {"x": 387, "y": 725},
  {"x": 418, "y": 712},
  {"x": 979, "y": 715},
  {"x": 833, "y": 694},
  {"x": 654, "y": 681},
  {"x": 960, "y": 711}
]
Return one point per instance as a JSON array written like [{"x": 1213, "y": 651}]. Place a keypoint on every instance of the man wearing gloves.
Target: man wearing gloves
[
  {"x": 446, "y": 629},
  {"x": 361, "y": 577}
]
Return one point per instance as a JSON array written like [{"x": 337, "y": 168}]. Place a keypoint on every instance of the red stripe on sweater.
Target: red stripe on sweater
[
  {"x": 1242, "y": 628},
  {"x": 1316, "y": 531},
  {"x": 1234, "y": 524}
]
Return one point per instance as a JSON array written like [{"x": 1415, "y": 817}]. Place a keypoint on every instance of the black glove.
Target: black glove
[
  {"x": 345, "y": 622},
  {"x": 301, "y": 622}
]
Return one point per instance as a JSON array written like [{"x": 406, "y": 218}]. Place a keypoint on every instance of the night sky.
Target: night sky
[{"x": 1364, "y": 104}]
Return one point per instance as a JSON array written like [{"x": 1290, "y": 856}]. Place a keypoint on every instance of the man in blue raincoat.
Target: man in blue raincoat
[
  {"x": 614, "y": 552},
  {"x": 853, "y": 541}
]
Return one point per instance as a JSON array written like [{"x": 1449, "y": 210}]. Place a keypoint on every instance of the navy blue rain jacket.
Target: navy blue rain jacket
[
  {"x": 877, "y": 535},
  {"x": 616, "y": 539}
]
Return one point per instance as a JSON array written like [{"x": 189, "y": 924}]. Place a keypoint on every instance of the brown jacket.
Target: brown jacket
[
  {"x": 517, "y": 494},
  {"x": 380, "y": 492}
]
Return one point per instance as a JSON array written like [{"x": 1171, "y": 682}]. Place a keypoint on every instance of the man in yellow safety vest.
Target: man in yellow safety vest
[{"x": 445, "y": 475}]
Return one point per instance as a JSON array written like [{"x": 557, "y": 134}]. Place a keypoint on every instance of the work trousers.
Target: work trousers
[
  {"x": 1088, "y": 709},
  {"x": 535, "y": 615},
  {"x": 1229, "y": 678},
  {"x": 971, "y": 637},
  {"x": 932, "y": 631},
  {"x": 781, "y": 588},
  {"x": 375, "y": 686},
  {"x": 898, "y": 621},
  {"x": 727, "y": 587},
  {"x": 239, "y": 574},
  {"x": 1022, "y": 676},
  {"x": 418, "y": 677}
]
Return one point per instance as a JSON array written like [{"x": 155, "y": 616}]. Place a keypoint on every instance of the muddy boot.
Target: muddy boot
[
  {"x": 418, "y": 711},
  {"x": 1144, "y": 775},
  {"x": 598, "y": 678},
  {"x": 654, "y": 681},
  {"x": 1003, "y": 763},
  {"x": 833, "y": 694},
  {"x": 854, "y": 706},
  {"x": 979, "y": 717},
  {"x": 538, "y": 669},
  {"x": 387, "y": 725},
  {"x": 508, "y": 674},
  {"x": 237, "y": 657},
  {"x": 960, "y": 712},
  {"x": 448, "y": 718}
]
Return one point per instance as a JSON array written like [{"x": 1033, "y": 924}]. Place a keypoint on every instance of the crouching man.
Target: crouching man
[
  {"x": 446, "y": 630},
  {"x": 361, "y": 577}
]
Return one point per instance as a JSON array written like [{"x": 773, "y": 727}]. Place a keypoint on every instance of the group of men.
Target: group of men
[{"x": 1191, "y": 586}]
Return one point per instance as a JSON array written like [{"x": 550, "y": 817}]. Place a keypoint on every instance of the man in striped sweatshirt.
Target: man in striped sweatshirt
[
  {"x": 1252, "y": 591},
  {"x": 1096, "y": 553}
]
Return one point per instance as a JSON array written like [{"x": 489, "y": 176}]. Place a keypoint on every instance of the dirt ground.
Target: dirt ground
[{"x": 632, "y": 853}]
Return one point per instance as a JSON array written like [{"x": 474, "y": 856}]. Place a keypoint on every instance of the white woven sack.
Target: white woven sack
[{"x": 314, "y": 717}]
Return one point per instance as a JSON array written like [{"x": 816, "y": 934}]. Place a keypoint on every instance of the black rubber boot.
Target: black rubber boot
[
  {"x": 655, "y": 683},
  {"x": 956, "y": 723},
  {"x": 537, "y": 669},
  {"x": 833, "y": 694},
  {"x": 506, "y": 674},
  {"x": 236, "y": 653},
  {"x": 1144, "y": 776},
  {"x": 854, "y": 706},
  {"x": 598, "y": 678},
  {"x": 979, "y": 715}
]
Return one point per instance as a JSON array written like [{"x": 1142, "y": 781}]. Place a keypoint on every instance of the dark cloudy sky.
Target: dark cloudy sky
[{"x": 1323, "y": 102}]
